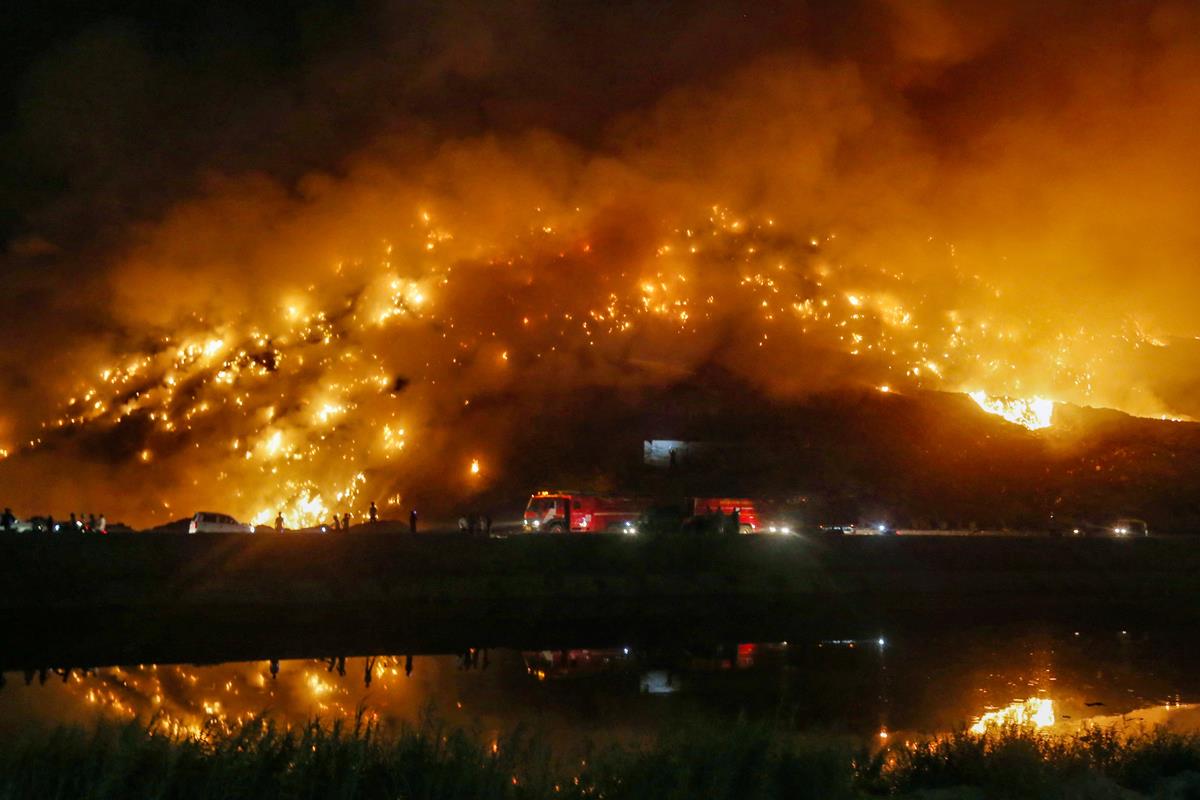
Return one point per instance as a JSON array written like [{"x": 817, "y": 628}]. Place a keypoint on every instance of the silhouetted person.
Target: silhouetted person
[
  {"x": 279, "y": 522},
  {"x": 412, "y": 521},
  {"x": 346, "y": 522},
  {"x": 274, "y": 668},
  {"x": 337, "y": 523},
  {"x": 373, "y": 513},
  {"x": 341, "y": 666},
  {"x": 367, "y": 674},
  {"x": 50, "y": 523},
  {"x": 92, "y": 523},
  {"x": 74, "y": 523},
  {"x": 407, "y": 666},
  {"x": 103, "y": 523},
  {"x": 472, "y": 523},
  {"x": 672, "y": 458},
  {"x": 736, "y": 519},
  {"x": 8, "y": 521}
]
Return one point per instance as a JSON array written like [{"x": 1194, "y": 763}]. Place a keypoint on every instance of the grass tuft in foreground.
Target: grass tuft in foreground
[{"x": 432, "y": 760}]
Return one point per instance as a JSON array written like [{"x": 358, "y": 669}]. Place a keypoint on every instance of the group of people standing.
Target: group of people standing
[
  {"x": 715, "y": 521},
  {"x": 343, "y": 523},
  {"x": 474, "y": 523},
  {"x": 77, "y": 523}
]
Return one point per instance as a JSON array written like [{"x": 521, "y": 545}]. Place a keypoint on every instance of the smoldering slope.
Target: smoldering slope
[{"x": 940, "y": 196}]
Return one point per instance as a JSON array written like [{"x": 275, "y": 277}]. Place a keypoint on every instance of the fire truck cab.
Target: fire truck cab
[{"x": 577, "y": 512}]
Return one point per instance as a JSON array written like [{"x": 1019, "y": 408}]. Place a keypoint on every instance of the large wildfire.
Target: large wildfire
[{"x": 808, "y": 223}]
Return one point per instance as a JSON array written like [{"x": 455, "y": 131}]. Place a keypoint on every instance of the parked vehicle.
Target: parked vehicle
[
  {"x": 578, "y": 512},
  {"x": 747, "y": 511},
  {"x": 582, "y": 512},
  {"x": 1130, "y": 528},
  {"x": 1119, "y": 529},
  {"x": 208, "y": 522}
]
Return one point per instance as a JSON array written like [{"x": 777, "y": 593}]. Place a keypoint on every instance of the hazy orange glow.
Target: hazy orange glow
[{"x": 806, "y": 224}]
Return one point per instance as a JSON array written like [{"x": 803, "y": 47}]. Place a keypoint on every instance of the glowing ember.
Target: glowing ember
[
  {"x": 1035, "y": 413},
  {"x": 1036, "y": 712}
]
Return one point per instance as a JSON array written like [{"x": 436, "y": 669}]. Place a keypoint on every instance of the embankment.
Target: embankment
[{"x": 120, "y": 598}]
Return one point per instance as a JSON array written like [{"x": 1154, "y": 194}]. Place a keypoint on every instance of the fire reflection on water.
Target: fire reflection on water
[
  {"x": 834, "y": 682},
  {"x": 1035, "y": 712},
  {"x": 188, "y": 700}
]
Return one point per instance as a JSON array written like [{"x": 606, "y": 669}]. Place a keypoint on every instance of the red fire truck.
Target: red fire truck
[
  {"x": 578, "y": 512},
  {"x": 748, "y": 520},
  {"x": 581, "y": 512}
]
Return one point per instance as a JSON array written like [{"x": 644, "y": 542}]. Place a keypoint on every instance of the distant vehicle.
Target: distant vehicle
[
  {"x": 181, "y": 525},
  {"x": 747, "y": 511},
  {"x": 543, "y": 664},
  {"x": 548, "y": 512},
  {"x": 208, "y": 522},
  {"x": 578, "y": 512},
  {"x": 1130, "y": 528},
  {"x": 838, "y": 528},
  {"x": 1120, "y": 529},
  {"x": 31, "y": 525}
]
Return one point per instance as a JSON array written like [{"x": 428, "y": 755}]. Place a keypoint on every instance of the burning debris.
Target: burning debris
[
  {"x": 803, "y": 221},
  {"x": 299, "y": 410},
  {"x": 1034, "y": 414}
]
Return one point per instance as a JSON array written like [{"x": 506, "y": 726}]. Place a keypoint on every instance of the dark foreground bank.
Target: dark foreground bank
[
  {"x": 366, "y": 570},
  {"x": 261, "y": 760},
  {"x": 89, "y": 601}
]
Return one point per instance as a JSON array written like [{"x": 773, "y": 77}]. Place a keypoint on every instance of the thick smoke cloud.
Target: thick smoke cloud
[{"x": 299, "y": 271}]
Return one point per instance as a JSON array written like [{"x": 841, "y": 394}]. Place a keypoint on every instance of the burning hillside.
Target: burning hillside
[{"x": 390, "y": 328}]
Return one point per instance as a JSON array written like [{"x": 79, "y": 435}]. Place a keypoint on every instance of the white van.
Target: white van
[{"x": 208, "y": 522}]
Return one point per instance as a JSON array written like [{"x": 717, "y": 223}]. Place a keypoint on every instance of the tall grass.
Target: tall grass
[
  {"x": 431, "y": 760},
  {"x": 1017, "y": 762}
]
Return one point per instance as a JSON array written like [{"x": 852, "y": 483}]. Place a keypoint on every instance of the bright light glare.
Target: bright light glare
[{"x": 1034, "y": 413}]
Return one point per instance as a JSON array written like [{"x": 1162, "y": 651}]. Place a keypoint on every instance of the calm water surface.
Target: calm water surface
[{"x": 891, "y": 684}]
